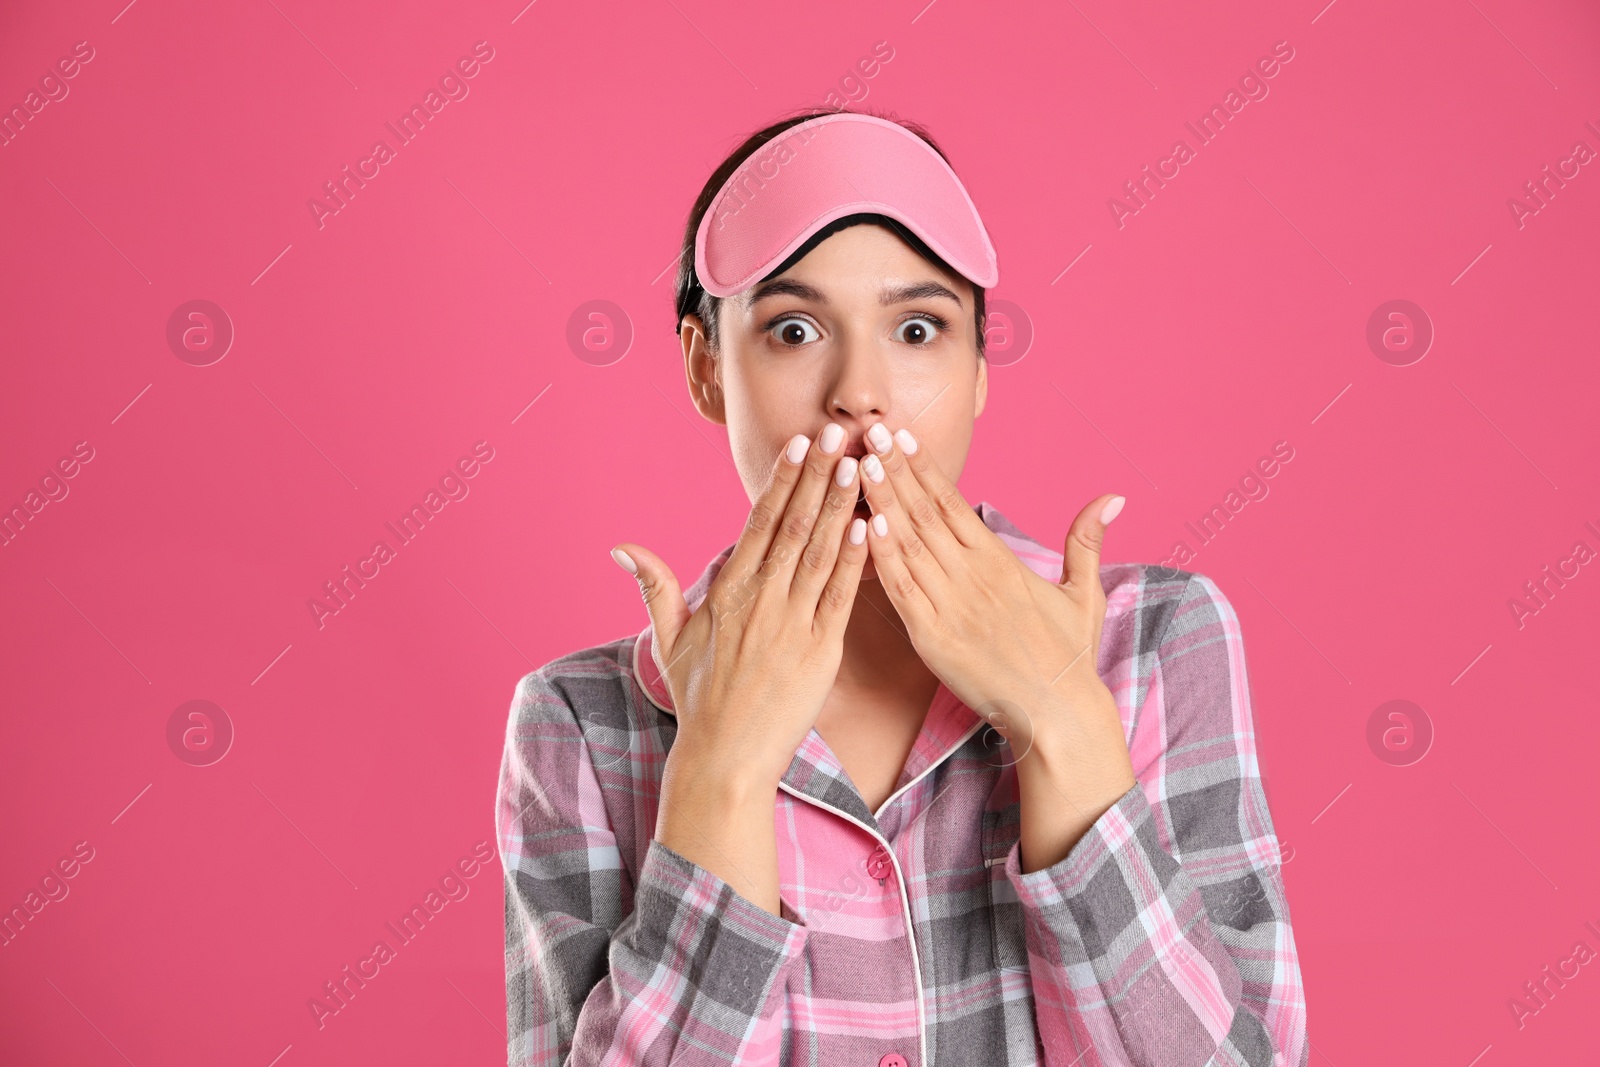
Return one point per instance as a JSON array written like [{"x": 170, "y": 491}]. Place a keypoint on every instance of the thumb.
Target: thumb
[
  {"x": 1081, "y": 559},
  {"x": 663, "y": 599}
]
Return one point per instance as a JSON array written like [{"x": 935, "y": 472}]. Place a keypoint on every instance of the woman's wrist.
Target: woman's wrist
[
  {"x": 724, "y": 777},
  {"x": 720, "y": 817},
  {"x": 1077, "y": 767}
]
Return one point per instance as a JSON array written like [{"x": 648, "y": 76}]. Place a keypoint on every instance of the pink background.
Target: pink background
[{"x": 1228, "y": 314}]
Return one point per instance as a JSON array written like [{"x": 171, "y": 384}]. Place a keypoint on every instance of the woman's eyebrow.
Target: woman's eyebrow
[
  {"x": 918, "y": 291},
  {"x": 787, "y": 287},
  {"x": 894, "y": 295}
]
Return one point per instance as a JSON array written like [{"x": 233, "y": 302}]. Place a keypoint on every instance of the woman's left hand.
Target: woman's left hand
[{"x": 1017, "y": 649}]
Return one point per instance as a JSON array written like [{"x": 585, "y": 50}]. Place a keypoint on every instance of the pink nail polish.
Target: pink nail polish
[{"x": 1112, "y": 509}]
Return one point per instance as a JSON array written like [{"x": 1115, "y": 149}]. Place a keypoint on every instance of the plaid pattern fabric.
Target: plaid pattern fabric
[{"x": 908, "y": 936}]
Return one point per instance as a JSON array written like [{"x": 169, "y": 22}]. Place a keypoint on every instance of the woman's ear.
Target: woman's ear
[
  {"x": 982, "y": 389},
  {"x": 701, "y": 370}
]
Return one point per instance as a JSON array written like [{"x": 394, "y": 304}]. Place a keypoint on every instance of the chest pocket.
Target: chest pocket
[{"x": 1000, "y": 830}]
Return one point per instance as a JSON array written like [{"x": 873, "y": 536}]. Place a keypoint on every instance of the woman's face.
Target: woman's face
[{"x": 861, "y": 330}]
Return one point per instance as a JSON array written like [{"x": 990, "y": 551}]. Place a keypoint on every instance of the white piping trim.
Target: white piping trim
[
  {"x": 905, "y": 910},
  {"x": 899, "y": 875},
  {"x": 900, "y": 880},
  {"x": 974, "y": 728}
]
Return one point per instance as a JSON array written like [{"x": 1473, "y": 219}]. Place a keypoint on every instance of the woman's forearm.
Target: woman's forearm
[{"x": 722, "y": 820}]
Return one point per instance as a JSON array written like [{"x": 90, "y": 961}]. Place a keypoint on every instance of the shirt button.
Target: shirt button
[
  {"x": 879, "y": 867},
  {"x": 892, "y": 1059}
]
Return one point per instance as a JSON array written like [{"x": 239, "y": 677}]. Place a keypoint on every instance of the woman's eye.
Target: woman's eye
[
  {"x": 796, "y": 331},
  {"x": 919, "y": 331}
]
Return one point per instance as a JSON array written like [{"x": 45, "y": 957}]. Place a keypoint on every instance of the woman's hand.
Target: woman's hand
[
  {"x": 1020, "y": 651},
  {"x": 750, "y": 670}
]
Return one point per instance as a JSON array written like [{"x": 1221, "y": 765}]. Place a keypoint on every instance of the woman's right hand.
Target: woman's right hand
[{"x": 749, "y": 670}]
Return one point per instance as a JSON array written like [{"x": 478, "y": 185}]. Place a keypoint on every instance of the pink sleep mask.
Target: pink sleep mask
[{"x": 822, "y": 170}]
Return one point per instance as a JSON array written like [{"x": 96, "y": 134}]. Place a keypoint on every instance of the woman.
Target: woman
[{"x": 892, "y": 783}]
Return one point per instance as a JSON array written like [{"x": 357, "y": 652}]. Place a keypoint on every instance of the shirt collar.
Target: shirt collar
[{"x": 815, "y": 771}]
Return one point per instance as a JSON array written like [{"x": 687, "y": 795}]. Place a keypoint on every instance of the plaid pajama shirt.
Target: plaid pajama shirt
[{"x": 908, "y": 936}]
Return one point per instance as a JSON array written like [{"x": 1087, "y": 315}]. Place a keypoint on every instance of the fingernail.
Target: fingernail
[
  {"x": 880, "y": 525},
  {"x": 846, "y": 473},
  {"x": 1112, "y": 509},
  {"x": 797, "y": 447},
  {"x": 879, "y": 436},
  {"x": 832, "y": 435},
  {"x": 858, "y": 531},
  {"x": 624, "y": 561},
  {"x": 873, "y": 468},
  {"x": 908, "y": 444}
]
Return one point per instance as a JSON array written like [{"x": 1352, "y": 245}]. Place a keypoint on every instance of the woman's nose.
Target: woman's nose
[{"x": 860, "y": 389}]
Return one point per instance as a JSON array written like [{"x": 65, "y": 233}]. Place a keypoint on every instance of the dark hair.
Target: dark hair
[{"x": 693, "y": 299}]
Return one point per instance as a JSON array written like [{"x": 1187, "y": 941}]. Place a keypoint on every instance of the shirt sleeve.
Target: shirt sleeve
[
  {"x": 1163, "y": 937},
  {"x": 667, "y": 965}
]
